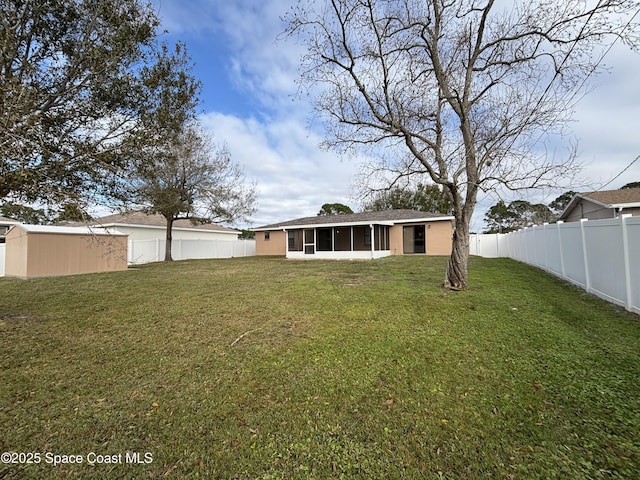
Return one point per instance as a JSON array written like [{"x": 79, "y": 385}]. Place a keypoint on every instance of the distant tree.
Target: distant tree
[
  {"x": 69, "y": 92},
  {"x": 499, "y": 218},
  {"x": 632, "y": 185},
  {"x": 425, "y": 198},
  {"x": 180, "y": 172},
  {"x": 247, "y": 235},
  {"x": 502, "y": 218},
  {"x": 560, "y": 203},
  {"x": 334, "y": 209},
  {"x": 71, "y": 212},
  {"x": 528, "y": 214},
  {"x": 24, "y": 213}
]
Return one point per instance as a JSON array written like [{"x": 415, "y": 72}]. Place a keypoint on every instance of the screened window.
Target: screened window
[
  {"x": 295, "y": 240},
  {"x": 342, "y": 239},
  {"x": 323, "y": 240}
]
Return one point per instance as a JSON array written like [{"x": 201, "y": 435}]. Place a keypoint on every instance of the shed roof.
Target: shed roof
[
  {"x": 387, "y": 216},
  {"x": 66, "y": 230}
]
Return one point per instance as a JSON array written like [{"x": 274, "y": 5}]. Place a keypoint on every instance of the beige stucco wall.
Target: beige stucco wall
[
  {"x": 395, "y": 240},
  {"x": 276, "y": 245},
  {"x": 34, "y": 254},
  {"x": 438, "y": 237}
]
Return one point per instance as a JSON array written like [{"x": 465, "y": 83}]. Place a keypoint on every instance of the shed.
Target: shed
[{"x": 41, "y": 251}]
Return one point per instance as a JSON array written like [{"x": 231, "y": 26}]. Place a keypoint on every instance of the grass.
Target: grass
[{"x": 345, "y": 370}]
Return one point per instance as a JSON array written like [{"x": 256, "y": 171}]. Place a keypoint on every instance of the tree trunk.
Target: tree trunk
[
  {"x": 457, "y": 269},
  {"x": 167, "y": 247}
]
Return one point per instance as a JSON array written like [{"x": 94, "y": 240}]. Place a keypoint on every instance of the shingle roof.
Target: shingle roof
[
  {"x": 7, "y": 220},
  {"x": 614, "y": 197},
  {"x": 139, "y": 218},
  {"x": 623, "y": 198},
  {"x": 394, "y": 216}
]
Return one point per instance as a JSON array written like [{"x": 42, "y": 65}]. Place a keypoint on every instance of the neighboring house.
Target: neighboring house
[
  {"x": 140, "y": 226},
  {"x": 601, "y": 205},
  {"x": 5, "y": 225},
  {"x": 147, "y": 234},
  {"x": 359, "y": 235}
]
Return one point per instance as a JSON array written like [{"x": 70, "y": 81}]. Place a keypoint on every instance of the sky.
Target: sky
[{"x": 252, "y": 104}]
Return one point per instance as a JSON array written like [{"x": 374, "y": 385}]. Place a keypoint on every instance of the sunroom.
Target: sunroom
[
  {"x": 339, "y": 241},
  {"x": 365, "y": 235}
]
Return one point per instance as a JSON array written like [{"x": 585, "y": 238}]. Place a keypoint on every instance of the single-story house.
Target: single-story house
[
  {"x": 601, "y": 205},
  {"x": 141, "y": 226},
  {"x": 358, "y": 236},
  {"x": 45, "y": 250}
]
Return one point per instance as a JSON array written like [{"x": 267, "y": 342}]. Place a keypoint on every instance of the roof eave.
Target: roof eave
[
  {"x": 389, "y": 223},
  {"x": 158, "y": 227}
]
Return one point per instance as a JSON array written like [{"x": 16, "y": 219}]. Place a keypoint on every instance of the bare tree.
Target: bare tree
[
  {"x": 193, "y": 179},
  {"x": 464, "y": 91}
]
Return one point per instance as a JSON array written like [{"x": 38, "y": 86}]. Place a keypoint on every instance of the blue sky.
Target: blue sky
[{"x": 250, "y": 103}]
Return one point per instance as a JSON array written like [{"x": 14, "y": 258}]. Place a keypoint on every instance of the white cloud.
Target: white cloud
[
  {"x": 278, "y": 149},
  {"x": 294, "y": 176}
]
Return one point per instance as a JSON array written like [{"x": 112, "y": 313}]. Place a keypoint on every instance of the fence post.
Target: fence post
[
  {"x": 559, "y": 223},
  {"x": 627, "y": 264},
  {"x": 585, "y": 256}
]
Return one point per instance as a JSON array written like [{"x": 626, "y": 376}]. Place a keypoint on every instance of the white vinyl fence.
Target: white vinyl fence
[
  {"x": 600, "y": 256},
  {"x": 3, "y": 247},
  {"x": 145, "y": 251}
]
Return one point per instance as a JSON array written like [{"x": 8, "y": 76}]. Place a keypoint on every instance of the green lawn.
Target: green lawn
[{"x": 345, "y": 370}]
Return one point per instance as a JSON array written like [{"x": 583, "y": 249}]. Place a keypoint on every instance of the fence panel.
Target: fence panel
[
  {"x": 605, "y": 259},
  {"x": 633, "y": 249},
  {"x": 553, "y": 252},
  {"x": 487, "y": 245},
  {"x": 573, "y": 253},
  {"x": 145, "y": 251},
  {"x": 3, "y": 249}
]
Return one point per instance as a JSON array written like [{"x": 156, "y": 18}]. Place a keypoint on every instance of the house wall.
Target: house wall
[
  {"x": 631, "y": 211},
  {"x": 32, "y": 254},
  {"x": 590, "y": 210},
  {"x": 438, "y": 237},
  {"x": 275, "y": 245}
]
